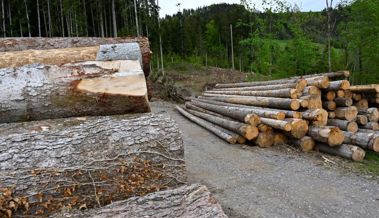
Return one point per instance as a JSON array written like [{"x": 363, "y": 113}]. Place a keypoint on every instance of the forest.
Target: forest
[{"x": 276, "y": 42}]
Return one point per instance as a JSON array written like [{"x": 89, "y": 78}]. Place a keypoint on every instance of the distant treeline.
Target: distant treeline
[{"x": 278, "y": 41}]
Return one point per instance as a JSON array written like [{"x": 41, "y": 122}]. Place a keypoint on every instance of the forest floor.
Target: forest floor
[{"x": 276, "y": 182}]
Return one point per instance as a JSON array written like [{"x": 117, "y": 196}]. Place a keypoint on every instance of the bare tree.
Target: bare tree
[
  {"x": 62, "y": 18},
  {"x": 136, "y": 17},
  {"x": 160, "y": 40},
  {"x": 329, "y": 8},
  {"x": 39, "y": 19},
  {"x": 85, "y": 16},
  {"x": 27, "y": 17},
  {"x": 3, "y": 13},
  {"x": 232, "y": 45},
  {"x": 114, "y": 19},
  {"x": 49, "y": 17},
  {"x": 10, "y": 18}
]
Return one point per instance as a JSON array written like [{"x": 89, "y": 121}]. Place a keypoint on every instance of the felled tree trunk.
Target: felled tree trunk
[
  {"x": 366, "y": 140},
  {"x": 330, "y": 135},
  {"x": 20, "y": 44},
  {"x": 277, "y": 124},
  {"x": 343, "y": 102},
  {"x": 87, "y": 162},
  {"x": 278, "y": 93},
  {"x": 299, "y": 127},
  {"x": 350, "y": 152},
  {"x": 37, "y": 92},
  {"x": 371, "y": 113},
  {"x": 300, "y": 86},
  {"x": 371, "y": 125},
  {"x": 305, "y": 144},
  {"x": 318, "y": 117},
  {"x": 186, "y": 201},
  {"x": 344, "y": 125},
  {"x": 337, "y": 85},
  {"x": 346, "y": 113}
]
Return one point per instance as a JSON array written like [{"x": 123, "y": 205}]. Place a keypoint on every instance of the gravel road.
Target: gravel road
[{"x": 276, "y": 182}]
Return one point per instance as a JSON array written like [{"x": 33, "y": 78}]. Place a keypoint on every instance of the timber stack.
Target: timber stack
[
  {"x": 313, "y": 112},
  {"x": 67, "y": 142}
]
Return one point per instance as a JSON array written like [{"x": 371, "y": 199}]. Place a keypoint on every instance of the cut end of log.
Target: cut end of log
[
  {"x": 301, "y": 84},
  {"x": 345, "y": 84},
  {"x": 375, "y": 145},
  {"x": 265, "y": 139},
  {"x": 252, "y": 119},
  {"x": 252, "y": 132},
  {"x": 358, "y": 154},
  {"x": 280, "y": 139},
  {"x": 241, "y": 140},
  {"x": 330, "y": 95},
  {"x": 304, "y": 103},
  {"x": 351, "y": 114},
  {"x": 281, "y": 116},
  {"x": 233, "y": 140},
  {"x": 299, "y": 128},
  {"x": 324, "y": 83},
  {"x": 295, "y": 105},
  {"x": 352, "y": 127},
  {"x": 307, "y": 144},
  {"x": 295, "y": 94},
  {"x": 336, "y": 137}
]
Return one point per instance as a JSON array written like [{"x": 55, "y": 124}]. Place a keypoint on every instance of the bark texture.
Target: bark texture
[
  {"x": 87, "y": 162},
  {"x": 278, "y": 93},
  {"x": 194, "y": 201},
  {"x": 20, "y": 44},
  {"x": 36, "y": 92},
  {"x": 350, "y": 152},
  {"x": 366, "y": 140},
  {"x": 329, "y": 135}
]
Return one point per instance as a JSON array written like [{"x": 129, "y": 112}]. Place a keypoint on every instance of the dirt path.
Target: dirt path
[{"x": 254, "y": 182}]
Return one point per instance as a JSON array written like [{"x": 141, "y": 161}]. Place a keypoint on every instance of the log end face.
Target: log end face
[
  {"x": 307, "y": 144},
  {"x": 252, "y": 132},
  {"x": 301, "y": 84},
  {"x": 336, "y": 137},
  {"x": 252, "y": 119},
  {"x": 375, "y": 146},
  {"x": 358, "y": 154},
  {"x": 299, "y": 129},
  {"x": 352, "y": 127},
  {"x": 281, "y": 116},
  {"x": 295, "y": 105}
]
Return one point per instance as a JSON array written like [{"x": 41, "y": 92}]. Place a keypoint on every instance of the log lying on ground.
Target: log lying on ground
[
  {"x": 299, "y": 127},
  {"x": 263, "y": 83},
  {"x": 300, "y": 86},
  {"x": 281, "y": 103},
  {"x": 371, "y": 113},
  {"x": 37, "y": 92},
  {"x": 260, "y": 111},
  {"x": 38, "y": 43},
  {"x": 350, "y": 152},
  {"x": 189, "y": 105},
  {"x": 277, "y": 124},
  {"x": 279, "y": 93},
  {"x": 265, "y": 139},
  {"x": 319, "y": 117},
  {"x": 362, "y": 120},
  {"x": 247, "y": 131},
  {"x": 337, "y": 85},
  {"x": 349, "y": 126},
  {"x": 91, "y": 161},
  {"x": 365, "y": 140},
  {"x": 241, "y": 114},
  {"x": 346, "y": 113},
  {"x": 370, "y": 125},
  {"x": 185, "y": 201},
  {"x": 330, "y": 135},
  {"x": 343, "y": 102},
  {"x": 305, "y": 144},
  {"x": 280, "y": 138},
  {"x": 218, "y": 131}
]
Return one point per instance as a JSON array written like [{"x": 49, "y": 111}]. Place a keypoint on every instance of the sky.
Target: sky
[{"x": 168, "y": 7}]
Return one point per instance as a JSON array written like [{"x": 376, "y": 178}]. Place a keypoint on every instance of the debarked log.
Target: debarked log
[
  {"x": 36, "y": 92},
  {"x": 87, "y": 162}
]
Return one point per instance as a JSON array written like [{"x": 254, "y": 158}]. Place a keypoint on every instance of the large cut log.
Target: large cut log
[
  {"x": 337, "y": 85},
  {"x": 346, "y": 113},
  {"x": 371, "y": 113},
  {"x": 344, "y": 125},
  {"x": 278, "y": 114},
  {"x": 365, "y": 88},
  {"x": 190, "y": 106},
  {"x": 265, "y": 139},
  {"x": 311, "y": 90},
  {"x": 321, "y": 82},
  {"x": 299, "y": 127},
  {"x": 350, "y": 152},
  {"x": 37, "y": 92},
  {"x": 248, "y": 131},
  {"x": 340, "y": 93},
  {"x": 370, "y": 125},
  {"x": 185, "y": 201},
  {"x": 330, "y": 95},
  {"x": 277, "y": 124},
  {"x": 241, "y": 114},
  {"x": 281, "y": 103},
  {"x": 319, "y": 117},
  {"x": 92, "y": 161},
  {"x": 331, "y": 75},
  {"x": 330, "y": 105},
  {"x": 280, "y": 138},
  {"x": 299, "y": 85},
  {"x": 365, "y": 140},
  {"x": 305, "y": 144},
  {"x": 330, "y": 135},
  {"x": 279, "y": 93},
  {"x": 343, "y": 102},
  {"x": 218, "y": 131},
  {"x": 314, "y": 101},
  {"x": 21, "y": 44}
]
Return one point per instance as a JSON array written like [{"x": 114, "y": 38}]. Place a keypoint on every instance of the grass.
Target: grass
[{"x": 371, "y": 163}]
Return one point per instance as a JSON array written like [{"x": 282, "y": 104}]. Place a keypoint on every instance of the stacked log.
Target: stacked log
[{"x": 313, "y": 111}]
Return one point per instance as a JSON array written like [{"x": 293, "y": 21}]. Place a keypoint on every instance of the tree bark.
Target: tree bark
[
  {"x": 365, "y": 88},
  {"x": 217, "y": 130},
  {"x": 365, "y": 140},
  {"x": 49, "y": 18},
  {"x": 3, "y": 18},
  {"x": 370, "y": 125},
  {"x": 260, "y": 111},
  {"x": 36, "y": 92},
  {"x": 280, "y": 103},
  {"x": 330, "y": 135},
  {"x": 189, "y": 105},
  {"x": 337, "y": 85},
  {"x": 346, "y": 113},
  {"x": 350, "y": 152},
  {"x": 241, "y": 114},
  {"x": 87, "y": 162},
  {"x": 344, "y": 125},
  {"x": 247, "y": 131},
  {"x": 185, "y": 201},
  {"x": 300, "y": 86},
  {"x": 343, "y": 102},
  {"x": 371, "y": 113},
  {"x": 21, "y": 44},
  {"x": 279, "y": 93},
  {"x": 277, "y": 124}
]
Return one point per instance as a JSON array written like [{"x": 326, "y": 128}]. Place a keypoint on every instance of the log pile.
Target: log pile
[{"x": 320, "y": 111}]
